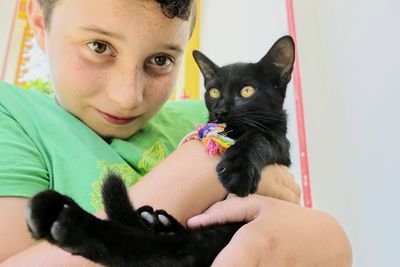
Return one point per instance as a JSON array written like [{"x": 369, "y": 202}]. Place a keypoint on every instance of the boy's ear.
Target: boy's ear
[
  {"x": 36, "y": 21},
  {"x": 279, "y": 60},
  {"x": 206, "y": 66}
]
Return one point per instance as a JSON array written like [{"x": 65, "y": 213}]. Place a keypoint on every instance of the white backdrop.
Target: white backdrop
[
  {"x": 7, "y": 8},
  {"x": 350, "y": 59}
]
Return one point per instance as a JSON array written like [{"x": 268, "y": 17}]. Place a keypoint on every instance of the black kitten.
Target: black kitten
[{"x": 249, "y": 99}]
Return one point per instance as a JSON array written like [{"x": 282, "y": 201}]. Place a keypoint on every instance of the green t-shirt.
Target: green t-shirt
[{"x": 42, "y": 146}]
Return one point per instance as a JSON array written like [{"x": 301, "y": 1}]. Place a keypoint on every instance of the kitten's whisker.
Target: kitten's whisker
[
  {"x": 257, "y": 125},
  {"x": 226, "y": 133},
  {"x": 261, "y": 116},
  {"x": 264, "y": 114},
  {"x": 263, "y": 127}
]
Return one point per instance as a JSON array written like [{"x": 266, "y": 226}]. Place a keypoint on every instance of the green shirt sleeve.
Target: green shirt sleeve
[{"x": 22, "y": 169}]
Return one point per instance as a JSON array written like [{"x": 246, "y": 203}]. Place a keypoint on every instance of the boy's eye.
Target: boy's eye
[
  {"x": 162, "y": 61},
  {"x": 160, "y": 64},
  {"x": 100, "y": 47}
]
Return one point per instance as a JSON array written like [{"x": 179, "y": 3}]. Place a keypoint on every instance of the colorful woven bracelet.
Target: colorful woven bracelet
[{"x": 213, "y": 136}]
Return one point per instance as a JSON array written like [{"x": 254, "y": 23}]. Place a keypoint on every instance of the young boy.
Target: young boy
[{"x": 113, "y": 65}]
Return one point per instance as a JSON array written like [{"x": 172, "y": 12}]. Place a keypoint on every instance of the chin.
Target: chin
[{"x": 113, "y": 133}]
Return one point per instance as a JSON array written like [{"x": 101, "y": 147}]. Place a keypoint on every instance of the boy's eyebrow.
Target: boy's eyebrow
[
  {"x": 173, "y": 47},
  {"x": 96, "y": 29},
  {"x": 102, "y": 31}
]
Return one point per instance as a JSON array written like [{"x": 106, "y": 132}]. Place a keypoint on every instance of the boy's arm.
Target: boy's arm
[
  {"x": 186, "y": 183},
  {"x": 13, "y": 230}
]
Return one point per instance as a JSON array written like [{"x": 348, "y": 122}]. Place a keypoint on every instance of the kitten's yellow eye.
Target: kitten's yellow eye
[
  {"x": 247, "y": 91},
  {"x": 214, "y": 93}
]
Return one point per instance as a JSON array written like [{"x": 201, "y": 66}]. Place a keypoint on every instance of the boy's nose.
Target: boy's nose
[{"x": 126, "y": 90}]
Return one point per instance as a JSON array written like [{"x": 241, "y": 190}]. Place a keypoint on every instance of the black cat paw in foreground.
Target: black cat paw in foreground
[
  {"x": 55, "y": 217},
  {"x": 248, "y": 98},
  {"x": 159, "y": 221},
  {"x": 42, "y": 211}
]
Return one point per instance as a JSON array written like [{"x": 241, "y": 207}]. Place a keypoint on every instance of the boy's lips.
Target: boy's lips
[{"x": 116, "y": 119}]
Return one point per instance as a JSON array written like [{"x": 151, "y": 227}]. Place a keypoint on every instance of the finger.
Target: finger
[
  {"x": 282, "y": 192},
  {"x": 289, "y": 180},
  {"x": 219, "y": 213},
  {"x": 291, "y": 184},
  {"x": 289, "y": 195},
  {"x": 231, "y": 210}
]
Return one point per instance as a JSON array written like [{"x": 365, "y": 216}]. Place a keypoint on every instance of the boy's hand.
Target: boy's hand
[
  {"x": 278, "y": 233},
  {"x": 278, "y": 182}
]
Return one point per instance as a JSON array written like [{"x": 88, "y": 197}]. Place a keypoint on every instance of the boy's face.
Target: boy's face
[{"x": 113, "y": 63}]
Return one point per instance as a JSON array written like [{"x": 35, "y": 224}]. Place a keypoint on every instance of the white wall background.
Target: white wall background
[
  {"x": 7, "y": 8},
  {"x": 350, "y": 59}
]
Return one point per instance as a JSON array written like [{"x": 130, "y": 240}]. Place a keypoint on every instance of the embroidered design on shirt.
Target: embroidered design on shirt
[
  {"x": 151, "y": 157},
  {"x": 128, "y": 175}
]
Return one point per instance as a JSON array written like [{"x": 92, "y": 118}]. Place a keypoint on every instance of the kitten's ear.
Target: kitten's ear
[
  {"x": 279, "y": 60},
  {"x": 206, "y": 66}
]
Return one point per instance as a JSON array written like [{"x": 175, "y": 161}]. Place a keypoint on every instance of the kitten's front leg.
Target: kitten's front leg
[{"x": 240, "y": 167}]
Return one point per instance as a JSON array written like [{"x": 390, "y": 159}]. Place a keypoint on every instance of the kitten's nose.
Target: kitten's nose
[{"x": 221, "y": 115}]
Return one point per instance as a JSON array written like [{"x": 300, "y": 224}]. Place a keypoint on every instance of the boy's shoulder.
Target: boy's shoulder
[
  {"x": 185, "y": 112},
  {"x": 12, "y": 96},
  {"x": 12, "y": 89},
  {"x": 31, "y": 109},
  {"x": 186, "y": 105}
]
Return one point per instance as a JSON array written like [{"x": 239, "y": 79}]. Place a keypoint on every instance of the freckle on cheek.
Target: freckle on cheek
[{"x": 87, "y": 78}]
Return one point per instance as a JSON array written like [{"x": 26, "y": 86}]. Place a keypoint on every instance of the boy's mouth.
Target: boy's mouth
[{"x": 115, "y": 119}]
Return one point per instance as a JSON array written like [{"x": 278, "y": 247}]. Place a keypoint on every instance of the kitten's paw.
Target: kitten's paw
[
  {"x": 159, "y": 221},
  {"x": 238, "y": 176},
  {"x": 148, "y": 217},
  {"x": 42, "y": 211},
  {"x": 51, "y": 216},
  {"x": 168, "y": 223}
]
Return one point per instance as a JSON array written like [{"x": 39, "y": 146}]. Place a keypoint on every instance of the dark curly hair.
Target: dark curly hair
[
  {"x": 176, "y": 8},
  {"x": 171, "y": 8}
]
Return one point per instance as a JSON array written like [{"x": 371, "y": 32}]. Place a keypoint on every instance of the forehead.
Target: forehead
[{"x": 141, "y": 18}]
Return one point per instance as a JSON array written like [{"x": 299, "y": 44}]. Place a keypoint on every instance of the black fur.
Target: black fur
[
  {"x": 258, "y": 122},
  {"x": 147, "y": 237}
]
